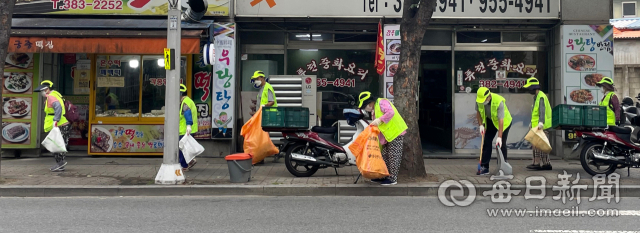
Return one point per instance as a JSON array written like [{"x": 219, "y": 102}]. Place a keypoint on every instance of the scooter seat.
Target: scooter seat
[
  {"x": 620, "y": 130},
  {"x": 324, "y": 130}
]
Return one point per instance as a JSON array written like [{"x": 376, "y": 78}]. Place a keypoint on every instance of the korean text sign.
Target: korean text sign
[
  {"x": 223, "y": 95},
  {"x": 391, "y": 34},
  {"x": 127, "y": 138},
  {"x": 112, "y": 7},
  {"x": 587, "y": 57}
]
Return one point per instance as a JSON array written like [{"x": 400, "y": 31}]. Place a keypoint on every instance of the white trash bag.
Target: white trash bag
[
  {"x": 190, "y": 147},
  {"x": 54, "y": 141}
]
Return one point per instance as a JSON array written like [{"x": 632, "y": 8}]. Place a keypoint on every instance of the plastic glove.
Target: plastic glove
[
  {"x": 482, "y": 130},
  {"x": 376, "y": 122},
  {"x": 55, "y": 124},
  {"x": 540, "y": 126},
  {"x": 188, "y": 129},
  {"x": 499, "y": 142}
]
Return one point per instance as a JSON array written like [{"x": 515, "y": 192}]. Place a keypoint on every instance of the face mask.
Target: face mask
[
  {"x": 487, "y": 102},
  {"x": 533, "y": 92},
  {"x": 258, "y": 82},
  {"x": 43, "y": 93},
  {"x": 603, "y": 90}
]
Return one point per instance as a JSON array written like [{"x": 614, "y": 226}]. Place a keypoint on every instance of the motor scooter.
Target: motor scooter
[{"x": 307, "y": 151}]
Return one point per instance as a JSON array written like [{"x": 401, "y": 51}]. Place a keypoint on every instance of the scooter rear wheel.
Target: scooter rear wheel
[
  {"x": 592, "y": 165},
  {"x": 299, "y": 168}
]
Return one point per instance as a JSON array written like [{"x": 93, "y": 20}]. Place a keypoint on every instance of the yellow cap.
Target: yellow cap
[
  {"x": 363, "y": 96},
  {"x": 183, "y": 88},
  {"x": 531, "y": 81},
  {"x": 257, "y": 74},
  {"x": 606, "y": 80},
  {"x": 483, "y": 93}
]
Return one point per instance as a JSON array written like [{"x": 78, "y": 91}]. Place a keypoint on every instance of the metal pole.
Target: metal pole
[{"x": 171, "y": 172}]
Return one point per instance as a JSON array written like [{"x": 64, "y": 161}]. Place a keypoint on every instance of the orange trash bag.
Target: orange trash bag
[
  {"x": 256, "y": 141},
  {"x": 369, "y": 160}
]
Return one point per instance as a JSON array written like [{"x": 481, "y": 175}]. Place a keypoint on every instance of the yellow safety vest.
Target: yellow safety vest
[
  {"x": 50, "y": 112},
  {"x": 392, "y": 129},
  {"x": 194, "y": 116},
  {"x": 535, "y": 114},
  {"x": 264, "y": 96},
  {"x": 495, "y": 103},
  {"x": 611, "y": 115}
]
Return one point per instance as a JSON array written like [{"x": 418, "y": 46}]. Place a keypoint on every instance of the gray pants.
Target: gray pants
[
  {"x": 65, "y": 135},
  {"x": 539, "y": 157},
  {"x": 392, "y": 155}
]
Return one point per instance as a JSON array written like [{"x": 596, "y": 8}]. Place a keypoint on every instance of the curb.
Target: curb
[{"x": 423, "y": 190}]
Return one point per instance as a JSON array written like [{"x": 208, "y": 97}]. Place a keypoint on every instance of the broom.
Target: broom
[{"x": 480, "y": 159}]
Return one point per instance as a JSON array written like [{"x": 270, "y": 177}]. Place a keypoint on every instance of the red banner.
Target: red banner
[{"x": 380, "y": 51}]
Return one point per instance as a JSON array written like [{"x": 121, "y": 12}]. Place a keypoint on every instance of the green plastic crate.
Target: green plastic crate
[
  {"x": 297, "y": 117},
  {"x": 594, "y": 116},
  {"x": 273, "y": 118},
  {"x": 566, "y": 115}
]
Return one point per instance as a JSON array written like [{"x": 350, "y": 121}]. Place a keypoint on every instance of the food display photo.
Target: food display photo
[
  {"x": 392, "y": 68},
  {"x": 17, "y": 83},
  {"x": 577, "y": 95},
  {"x": 16, "y": 108},
  {"x": 393, "y": 47},
  {"x": 20, "y": 61},
  {"x": 582, "y": 62},
  {"x": 16, "y": 133}
]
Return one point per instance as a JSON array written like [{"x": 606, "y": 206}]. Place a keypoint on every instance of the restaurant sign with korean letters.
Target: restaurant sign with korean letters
[
  {"x": 342, "y": 65},
  {"x": 110, "y": 7},
  {"x": 522, "y": 9}
]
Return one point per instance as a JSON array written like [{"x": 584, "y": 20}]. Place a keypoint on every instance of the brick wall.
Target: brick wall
[{"x": 632, "y": 74}]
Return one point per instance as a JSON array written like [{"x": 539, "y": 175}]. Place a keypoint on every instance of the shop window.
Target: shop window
[
  {"x": 355, "y": 38},
  {"x": 342, "y": 75},
  {"x": 523, "y": 37},
  {"x": 511, "y": 37},
  {"x": 262, "y": 37},
  {"x": 310, "y": 37},
  {"x": 117, "y": 85},
  {"x": 502, "y": 72},
  {"x": 438, "y": 38},
  {"x": 478, "y": 37},
  {"x": 154, "y": 82}
]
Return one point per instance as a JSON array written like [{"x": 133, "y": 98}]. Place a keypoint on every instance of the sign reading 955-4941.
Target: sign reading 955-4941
[{"x": 476, "y": 8}]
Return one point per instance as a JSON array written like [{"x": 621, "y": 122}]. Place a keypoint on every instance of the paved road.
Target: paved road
[{"x": 297, "y": 214}]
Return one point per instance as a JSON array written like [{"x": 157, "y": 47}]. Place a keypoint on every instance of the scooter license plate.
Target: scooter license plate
[{"x": 575, "y": 146}]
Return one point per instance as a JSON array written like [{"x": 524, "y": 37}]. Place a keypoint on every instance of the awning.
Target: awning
[{"x": 98, "y": 45}]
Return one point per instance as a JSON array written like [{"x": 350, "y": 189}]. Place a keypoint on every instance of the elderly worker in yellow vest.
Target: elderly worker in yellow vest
[
  {"x": 54, "y": 110},
  {"x": 492, "y": 112},
  {"x": 540, "y": 118},
  {"x": 188, "y": 123},
  {"x": 266, "y": 95},
  {"x": 392, "y": 130},
  {"x": 610, "y": 100}
]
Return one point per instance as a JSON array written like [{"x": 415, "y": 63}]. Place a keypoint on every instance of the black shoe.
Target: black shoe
[
  {"x": 545, "y": 167},
  {"x": 534, "y": 166},
  {"x": 387, "y": 182},
  {"x": 483, "y": 171}
]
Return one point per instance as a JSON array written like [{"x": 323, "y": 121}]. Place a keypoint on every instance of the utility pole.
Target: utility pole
[
  {"x": 171, "y": 172},
  {"x": 6, "y": 13}
]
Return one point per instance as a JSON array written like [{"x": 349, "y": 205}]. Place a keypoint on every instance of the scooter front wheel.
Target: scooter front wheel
[{"x": 299, "y": 168}]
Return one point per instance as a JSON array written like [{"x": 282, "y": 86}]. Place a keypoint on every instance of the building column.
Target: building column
[{"x": 627, "y": 85}]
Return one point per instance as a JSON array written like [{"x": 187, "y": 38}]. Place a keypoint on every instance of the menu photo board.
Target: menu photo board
[
  {"x": 587, "y": 58},
  {"x": 20, "y": 104},
  {"x": 391, "y": 56},
  {"x": 127, "y": 138}
]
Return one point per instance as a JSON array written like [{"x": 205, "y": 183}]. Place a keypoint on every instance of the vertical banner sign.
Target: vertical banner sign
[
  {"x": 587, "y": 52},
  {"x": 201, "y": 93},
  {"x": 20, "y": 104},
  {"x": 223, "y": 86},
  {"x": 392, "y": 56},
  {"x": 380, "y": 51}
]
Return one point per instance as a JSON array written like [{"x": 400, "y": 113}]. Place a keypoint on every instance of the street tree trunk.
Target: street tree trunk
[
  {"x": 6, "y": 12},
  {"x": 415, "y": 19}
]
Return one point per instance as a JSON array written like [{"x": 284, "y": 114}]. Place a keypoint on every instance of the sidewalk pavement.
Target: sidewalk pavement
[{"x": 107, "y": 176}]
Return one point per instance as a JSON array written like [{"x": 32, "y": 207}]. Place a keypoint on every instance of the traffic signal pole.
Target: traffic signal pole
[{"x": 171, "y": 172}]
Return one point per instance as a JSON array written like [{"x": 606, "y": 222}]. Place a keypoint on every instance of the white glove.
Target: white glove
[
  {"x": 376, "y": 122},
  {"x": 499, "y": 142},
  {"x": 55, "y": 124},
  {"x": 540, "y": 126},
  {"x": 188, "y": 129},
  {"x": 482, "y": 130}
]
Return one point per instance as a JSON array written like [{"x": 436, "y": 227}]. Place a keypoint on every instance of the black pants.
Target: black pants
[{"x": 490, "y": 133}]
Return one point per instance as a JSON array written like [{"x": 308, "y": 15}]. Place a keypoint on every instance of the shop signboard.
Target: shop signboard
[
  {"x": 391, "y": 56},
  {"x": 20, "y": 104},
  {"x": 512, "y": 9},
  {"x": 127, "y": 138},
  {"x": 587, "y": 57},
  {"x": 80, "y": 75},
  {"x": 110, "y": 7},
  {"x": 223, "y": 81},
  {"x": 201, "y": 94}
]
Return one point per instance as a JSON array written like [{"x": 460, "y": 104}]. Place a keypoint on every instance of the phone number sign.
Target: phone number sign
[{"x": 523, "y": 9}]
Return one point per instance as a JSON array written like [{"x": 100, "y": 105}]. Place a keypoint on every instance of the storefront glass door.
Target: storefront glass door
[{"x": 435, "y": 101}]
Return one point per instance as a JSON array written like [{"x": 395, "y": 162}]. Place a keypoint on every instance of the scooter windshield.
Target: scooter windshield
[{"x": 352, "y": 116}]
